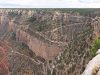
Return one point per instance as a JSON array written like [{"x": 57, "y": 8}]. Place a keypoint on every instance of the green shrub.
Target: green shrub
[
  {"x": 13, "y": 35},
  {"x": 95, "y": 46}
]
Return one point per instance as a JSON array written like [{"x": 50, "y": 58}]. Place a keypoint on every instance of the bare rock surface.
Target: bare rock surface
[{"x": 93, "y": 66}]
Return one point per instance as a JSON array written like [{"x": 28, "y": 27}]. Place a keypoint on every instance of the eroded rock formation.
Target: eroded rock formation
[{"x": 93, "y": 66}]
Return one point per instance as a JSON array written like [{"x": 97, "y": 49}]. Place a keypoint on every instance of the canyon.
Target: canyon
[{"x": 46, "y": 42}]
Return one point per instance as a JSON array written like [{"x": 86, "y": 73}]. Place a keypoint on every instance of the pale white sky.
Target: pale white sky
[{"x": 49, "y": 3}]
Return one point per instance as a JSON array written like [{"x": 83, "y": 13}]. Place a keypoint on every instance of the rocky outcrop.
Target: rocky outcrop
[{"x": 93, "y": 66}]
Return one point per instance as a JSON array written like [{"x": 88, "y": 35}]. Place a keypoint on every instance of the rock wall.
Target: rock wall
[
  {"x": 3, "y": 23},
  {"x": 96, "y": 26},
  {"x": 41, "y": 48}
]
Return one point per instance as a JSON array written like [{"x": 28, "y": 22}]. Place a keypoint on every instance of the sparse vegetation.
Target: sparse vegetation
[{"x": 95, "y": 46}]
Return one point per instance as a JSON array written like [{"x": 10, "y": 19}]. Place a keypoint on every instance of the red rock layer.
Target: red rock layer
[{"x": 3, "y": 59}]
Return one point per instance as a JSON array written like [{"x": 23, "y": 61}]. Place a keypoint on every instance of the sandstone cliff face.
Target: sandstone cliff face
[
  {"x": 38, "y": 46},
  {"x": 41, "y": 48},
  {"x": 96, "y": 25},
  {"x": 3, "y": 23}
]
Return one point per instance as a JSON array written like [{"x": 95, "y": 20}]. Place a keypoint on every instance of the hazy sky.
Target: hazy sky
[{"x": 49, "y": 3}]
